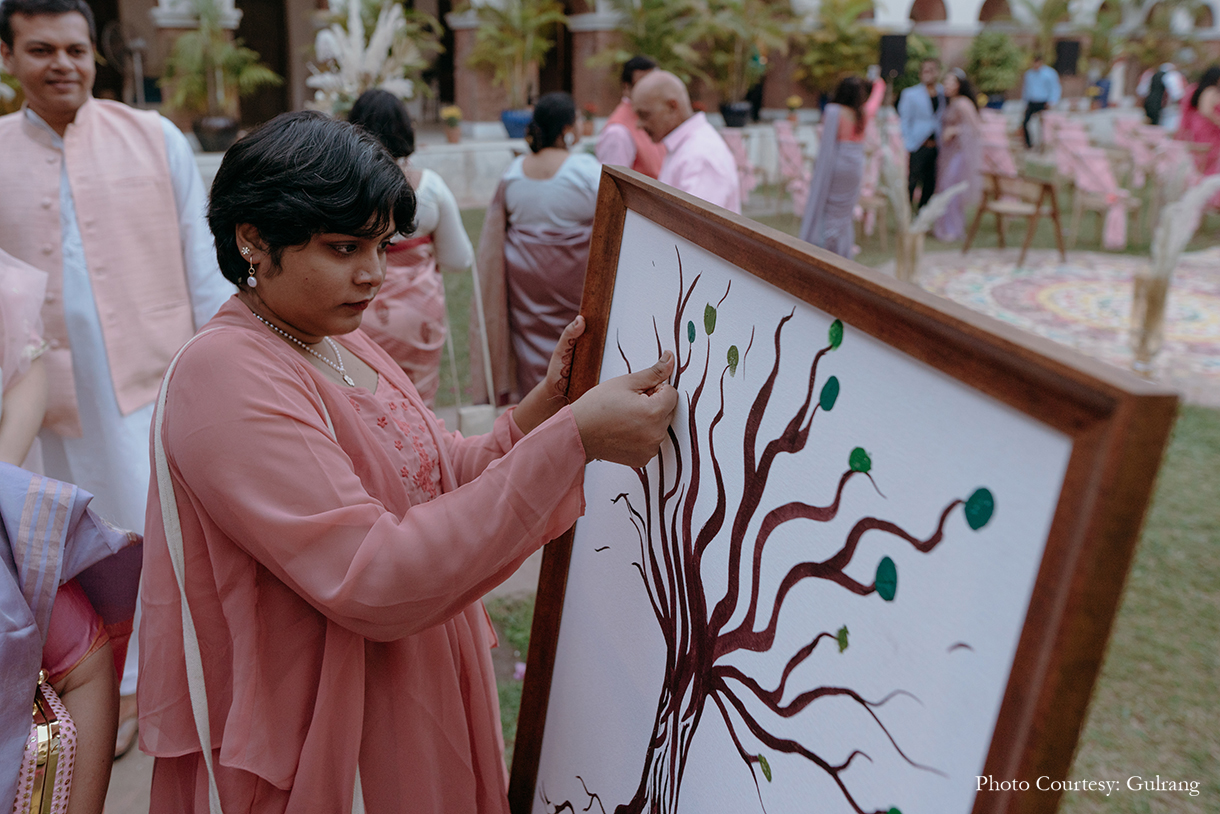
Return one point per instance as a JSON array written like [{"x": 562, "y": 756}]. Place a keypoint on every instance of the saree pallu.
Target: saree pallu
[
  {"x": 960, "y": 159},
  {"x": 50, "y": 537},
  {"x": 407, "y": 319},
  {"x": 545, "y": 276},
  {"x": 834, "y": 191}
]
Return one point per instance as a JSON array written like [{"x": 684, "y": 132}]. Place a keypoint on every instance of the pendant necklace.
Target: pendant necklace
[{"x": 333, "y": 346}]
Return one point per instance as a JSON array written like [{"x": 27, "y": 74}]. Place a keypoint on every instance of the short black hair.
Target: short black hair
[
  {"x": 305, "y": 174},
  {"x": 636, "y": 63},
  {"x": 385, "y": 116},
  {"x": 553, "y": 112},
  {"x": 1210, "y": 78},
  {"x": 35, "y": 8}
]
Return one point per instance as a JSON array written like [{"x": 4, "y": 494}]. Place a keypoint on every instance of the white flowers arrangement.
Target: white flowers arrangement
[{"x": 391, "y": 59}]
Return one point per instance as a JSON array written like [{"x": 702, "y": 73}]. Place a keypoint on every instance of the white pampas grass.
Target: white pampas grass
[
  {"x": 1178, "y": 223},
  {"x": 936, "y": 206},
  {"x": 347, "y": 66}
]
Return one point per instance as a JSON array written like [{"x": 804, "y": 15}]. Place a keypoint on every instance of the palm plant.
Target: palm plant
[
  {"x": 736, "y": 35},
  {"x": 513, "y": 40},
  {"x": 919, "y": 48},
  {"x": 994, "y": 61},
  {"x": 838, "y": 46},
  {"x": 661, "y": 29},
  {"x": 207, "y": 72},
  {"x": 1046, "y": 15},
  {"x": 401, "y": 46}
]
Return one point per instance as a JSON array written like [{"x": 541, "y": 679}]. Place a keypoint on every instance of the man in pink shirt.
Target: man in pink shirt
[
  {"x": 698, "y": 161},
  {"x": 621, "y": 141}
]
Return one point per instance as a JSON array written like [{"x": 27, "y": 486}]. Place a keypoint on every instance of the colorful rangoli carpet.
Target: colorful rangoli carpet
[{"x": 1085, "y": 303}]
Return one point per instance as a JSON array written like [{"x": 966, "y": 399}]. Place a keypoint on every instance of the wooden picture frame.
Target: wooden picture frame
[{"x": 1118, "y": 425}]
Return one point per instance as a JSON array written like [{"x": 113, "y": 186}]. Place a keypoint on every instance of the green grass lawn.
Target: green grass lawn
[{"x": 1156, "y": 708}]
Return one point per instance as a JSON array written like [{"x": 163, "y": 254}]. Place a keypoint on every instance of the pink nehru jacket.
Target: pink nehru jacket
[
  {"x": 699, "y": 163},
  {"x": 648, "y": 154},
  {"x": 124, "y": 198}
]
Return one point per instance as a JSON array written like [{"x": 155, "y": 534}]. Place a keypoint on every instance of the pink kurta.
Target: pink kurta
[{"x": 336, "y": 599}]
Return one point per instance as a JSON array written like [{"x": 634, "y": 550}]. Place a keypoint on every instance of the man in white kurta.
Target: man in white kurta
[{"x": 51, "y": 54}]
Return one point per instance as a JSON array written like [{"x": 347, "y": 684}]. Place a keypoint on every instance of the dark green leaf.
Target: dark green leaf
[
  {"x": 979, "y": 508},
  {"x": 887, "y": 579},
  {"x": 709, "y": 319},
  {"x": 859, "y": 461},
  {"x": 842, "y": 637},
  {"x": 733, "y": 360},
  {"x": 766, "y": 767},
  {"x": 893, "y": 810},
  {"x": 690, "y": 332},
  {"x": 836, "y": 334},
  {"x": 830, "y": 393}
]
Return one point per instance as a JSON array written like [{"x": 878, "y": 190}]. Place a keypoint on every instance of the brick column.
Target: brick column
[
  {"x": 591, "y": 34},
  {"x": 473, "y": 91}
]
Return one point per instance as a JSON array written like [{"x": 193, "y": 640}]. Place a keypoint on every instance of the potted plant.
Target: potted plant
[
  {"x": 919, "y": 48},
  {"x": 736, "y": 36},
  {"x": 512, "y": 41},
  {"x": 662, "y": 29},
  {"x": 206, "y": 72},
  {"x": 839, "y": 45},
  {"x": 393, "y": 57},
  {"x": 794, "y": 103},
  {"x": 994, "y": 62},
  {"x": 451, "y": 115}
]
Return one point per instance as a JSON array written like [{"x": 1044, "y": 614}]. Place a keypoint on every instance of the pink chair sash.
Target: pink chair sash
[
  {"x": 745, "y": 170},
  {"x": 1094, "y": 175}
]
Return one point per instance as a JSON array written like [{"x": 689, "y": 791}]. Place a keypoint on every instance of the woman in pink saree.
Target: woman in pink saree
[
  {"x": 961, "y": 154},
  {"x": 1201, "y": 122},
  {"x": 408, "y": 319},
  {"x": 533, "y": 251},
  {"x": 335, "y": 538}
]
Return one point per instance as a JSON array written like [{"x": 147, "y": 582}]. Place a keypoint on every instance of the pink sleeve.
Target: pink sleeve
[
  {"x": 75, "y": 632},
  {"x": 616, "y": 146},
  {"x": 873, "y": 104},
  {"x": 297, "y": 506},
  {"x": 22, "y": 289}
]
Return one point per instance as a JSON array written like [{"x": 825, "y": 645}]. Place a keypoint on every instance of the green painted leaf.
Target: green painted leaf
[
  {"x": 979, "y": 508},
  {"x": 836, "y": 334},
  {"x": 887, "y": 579},
  {"x": 842, "y": 637},
  {"x": 893, "y": 810},
  {"x": 859, "y": 461},
  {"x": 733, "y": 360},
  {"x": 690, "y": 332},
  {"x": 709, "y": 319},
  {"x": 830, "y": 393},
  {"x": 766, "y": 767}
]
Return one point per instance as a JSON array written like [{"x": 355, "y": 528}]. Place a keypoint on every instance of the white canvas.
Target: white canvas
[{"x": 938, "y": 653}]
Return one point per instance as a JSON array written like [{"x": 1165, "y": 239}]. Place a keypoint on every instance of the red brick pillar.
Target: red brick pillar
[
  {"x": 591, "y": 34},
  {"x": 473, "y": 91}
]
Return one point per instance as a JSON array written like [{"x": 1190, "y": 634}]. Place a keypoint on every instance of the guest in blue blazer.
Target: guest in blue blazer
[{"x": 920, "y": 108}]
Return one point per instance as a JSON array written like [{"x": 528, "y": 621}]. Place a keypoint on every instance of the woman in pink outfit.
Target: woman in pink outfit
[
  {"x": 1201, "y": 119},
  {"x": 960, "y": 156},
  {"x": 408, "y": 318},
  {"x": 336, "y": 537}
]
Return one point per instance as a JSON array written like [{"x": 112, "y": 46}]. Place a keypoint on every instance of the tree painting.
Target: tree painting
[{"x": 686, "y": 522}]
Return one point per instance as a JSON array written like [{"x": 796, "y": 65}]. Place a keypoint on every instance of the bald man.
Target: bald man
[{"x": 697, "y": 160}]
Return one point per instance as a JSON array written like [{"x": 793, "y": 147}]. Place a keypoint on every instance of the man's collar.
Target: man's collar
[{"x": 682, "y": 132}]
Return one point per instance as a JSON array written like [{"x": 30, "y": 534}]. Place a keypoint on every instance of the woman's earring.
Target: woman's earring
[{"x": 250, "y": 280}]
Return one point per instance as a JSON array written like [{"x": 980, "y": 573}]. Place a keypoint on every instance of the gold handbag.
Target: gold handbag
[{"x": 45, "y": 777}]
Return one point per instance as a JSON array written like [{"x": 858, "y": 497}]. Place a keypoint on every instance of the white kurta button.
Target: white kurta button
[
  {"x": 46, "y": 203},
  {"x": 47, "y": 248}
]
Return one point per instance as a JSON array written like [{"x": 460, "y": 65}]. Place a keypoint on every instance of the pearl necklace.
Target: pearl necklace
[{"x": 333, "y": 346}]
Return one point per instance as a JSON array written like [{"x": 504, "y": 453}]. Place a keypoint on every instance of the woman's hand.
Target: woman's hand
[
  {"x": 625, "y": 419},
  {"x": 552, "y": 392}
]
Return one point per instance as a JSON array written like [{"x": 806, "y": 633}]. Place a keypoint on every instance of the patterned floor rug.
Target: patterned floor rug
[{"x": 1085, "y": 303}]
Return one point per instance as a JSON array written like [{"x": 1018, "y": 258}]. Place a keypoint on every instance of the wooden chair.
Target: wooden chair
[
  {"x": 1024, "y": 197},
  {"x": 1098, "y": 191}
]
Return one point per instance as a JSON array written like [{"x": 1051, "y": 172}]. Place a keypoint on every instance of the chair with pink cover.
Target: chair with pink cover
[
  {"x": 746, "y": 175},
  {"x": 1098, "y": 191},
  {"x": 997, "y": 158},
  {"x": 794, "y": 172},
  {"x": 1129, "y": 135}
]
